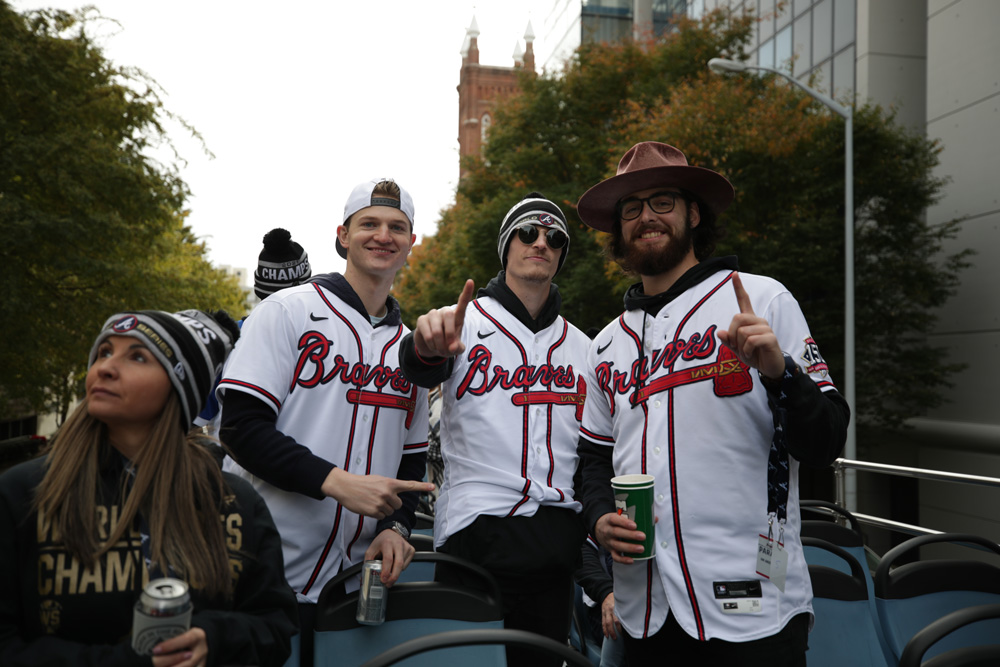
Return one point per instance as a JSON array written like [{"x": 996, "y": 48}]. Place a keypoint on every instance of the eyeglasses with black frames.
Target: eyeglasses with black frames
[
  {"x": 661, "y": 202},
  {"x": 528, "y": 234}
]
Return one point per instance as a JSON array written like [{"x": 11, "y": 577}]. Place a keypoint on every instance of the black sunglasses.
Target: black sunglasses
[{"x": 528, "y": 234}]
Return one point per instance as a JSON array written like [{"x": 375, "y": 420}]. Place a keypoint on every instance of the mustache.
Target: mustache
[{"x": 652, "y": 227}]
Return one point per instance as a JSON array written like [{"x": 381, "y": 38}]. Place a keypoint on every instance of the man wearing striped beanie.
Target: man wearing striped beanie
[{"x": 512, "y": 404}]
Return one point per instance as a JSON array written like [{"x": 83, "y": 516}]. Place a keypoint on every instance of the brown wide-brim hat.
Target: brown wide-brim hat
[{"x": 651, "y": 164}]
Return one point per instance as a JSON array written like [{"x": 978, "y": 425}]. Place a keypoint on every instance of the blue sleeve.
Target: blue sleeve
[{"x": 211, "y": 408}]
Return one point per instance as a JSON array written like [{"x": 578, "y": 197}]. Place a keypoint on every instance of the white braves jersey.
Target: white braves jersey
[
  {"x": 334, "y": 381},
  {"x": 698, "y": 421},
  {"x": 510, "y": 419}
]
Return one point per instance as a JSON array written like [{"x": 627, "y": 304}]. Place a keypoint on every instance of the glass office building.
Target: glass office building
[
  {"x": 807, "y": 37},
  {"x": 566, "y": 24}
]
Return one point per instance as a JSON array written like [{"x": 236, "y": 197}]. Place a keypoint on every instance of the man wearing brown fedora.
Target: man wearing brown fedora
[{"x": 710, "y": 382}]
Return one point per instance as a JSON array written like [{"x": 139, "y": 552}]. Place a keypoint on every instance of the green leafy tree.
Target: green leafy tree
[
  {"x": 784, "y": 154},
  {"x": 91, "y": 224}
]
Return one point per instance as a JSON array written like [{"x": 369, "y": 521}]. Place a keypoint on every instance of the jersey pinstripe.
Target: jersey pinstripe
[
  {"x": 334, "y": 381},
  {"x": 675, "y": 403},
  {"x": 510, "y": 419}
]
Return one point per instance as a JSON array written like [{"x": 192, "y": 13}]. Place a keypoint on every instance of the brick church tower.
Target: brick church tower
[{"x": 481, "y": 86}]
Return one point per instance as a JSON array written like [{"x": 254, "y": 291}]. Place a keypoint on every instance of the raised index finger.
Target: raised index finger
[
  {"x": 463, "y": 302},
  {"x": 742, "y": 298}
]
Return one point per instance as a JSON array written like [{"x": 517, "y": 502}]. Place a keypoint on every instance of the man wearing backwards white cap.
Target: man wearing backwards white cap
[
  {"x": 711, "y": 382},
  {"x": 318, "y": 415},
  {"x": 512, "y": 402}
]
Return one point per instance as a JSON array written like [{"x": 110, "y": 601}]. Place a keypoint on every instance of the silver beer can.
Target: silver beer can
[
  {"x": 371, "y": 596},
  {"x": 163, "y": 611}
]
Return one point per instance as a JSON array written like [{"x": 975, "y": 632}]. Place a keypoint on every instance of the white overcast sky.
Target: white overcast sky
[{"x": 300, "y": 101}]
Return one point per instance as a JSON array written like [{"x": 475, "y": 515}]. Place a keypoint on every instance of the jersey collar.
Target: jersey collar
[
  {"x": 337, "y": 284},
  {"x": 636, "y": 299},
  {"x": 498, "y": 289}
]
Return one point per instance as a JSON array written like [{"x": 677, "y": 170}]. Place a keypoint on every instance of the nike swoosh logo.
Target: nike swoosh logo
[
  {"x": 601, "y": 349},
  {"x": 317, "y": 319},
  {"x": 484, "y": 335}
]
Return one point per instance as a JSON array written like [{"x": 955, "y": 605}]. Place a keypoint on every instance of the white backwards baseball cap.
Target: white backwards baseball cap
[{"x": 363, "y": 196}]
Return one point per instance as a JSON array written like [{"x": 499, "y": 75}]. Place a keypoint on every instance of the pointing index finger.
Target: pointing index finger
[
  {"x": 463, "y": 302},
  {"x": 416, "y": 485},
  {"x": 742, "y": 298}
]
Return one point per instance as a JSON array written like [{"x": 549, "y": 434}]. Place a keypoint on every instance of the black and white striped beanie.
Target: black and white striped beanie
[
  {"x": 191, "y": 345},
  {"x": 533, "y": 209}
]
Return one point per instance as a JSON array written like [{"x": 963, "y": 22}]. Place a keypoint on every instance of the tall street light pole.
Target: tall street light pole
[{"x": 723, "y": 66}]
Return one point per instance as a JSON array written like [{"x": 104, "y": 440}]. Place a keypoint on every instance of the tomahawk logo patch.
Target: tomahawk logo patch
[{"x": 125, "y": 324}]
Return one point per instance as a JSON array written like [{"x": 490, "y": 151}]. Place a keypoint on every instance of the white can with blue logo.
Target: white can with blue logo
[{"x": 163, "y": 611}]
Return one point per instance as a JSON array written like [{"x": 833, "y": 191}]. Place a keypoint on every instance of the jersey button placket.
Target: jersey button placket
[
  {"x": 537, "y": 413},
  {"x": 537, "y": 458},
  {"x": 657, "y": 333}
]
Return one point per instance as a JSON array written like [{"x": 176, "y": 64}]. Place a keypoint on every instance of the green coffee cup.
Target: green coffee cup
[{"x": 634, "y": 499}]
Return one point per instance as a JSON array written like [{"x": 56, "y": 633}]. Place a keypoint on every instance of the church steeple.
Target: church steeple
[
  {"x": 470, "y": 48},
  {"x": 529, "y": 51},
  {"x": 481, "y": 87}
]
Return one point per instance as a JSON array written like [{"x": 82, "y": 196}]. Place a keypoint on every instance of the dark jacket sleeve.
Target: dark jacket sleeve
[
  {"x": 593, "y": 478},
  {"x": 426, "y": 373},
  {"x": 17, "y": 528},
  {"x": 257, "y": 627},
  {"x": 249, "y": 430},
  {"x": 592, "y": 576},
  {"x": 815, "y": 421}
]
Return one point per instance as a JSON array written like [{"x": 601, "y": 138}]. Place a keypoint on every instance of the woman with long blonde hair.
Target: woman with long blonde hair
[{"x": 127, "y": 494}]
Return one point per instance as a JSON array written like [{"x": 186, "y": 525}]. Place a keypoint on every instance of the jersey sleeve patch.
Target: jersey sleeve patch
[{"x": 812, "y": 360}]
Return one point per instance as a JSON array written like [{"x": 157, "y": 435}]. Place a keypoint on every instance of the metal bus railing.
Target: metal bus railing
[{"x": 841, "y": 466}]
